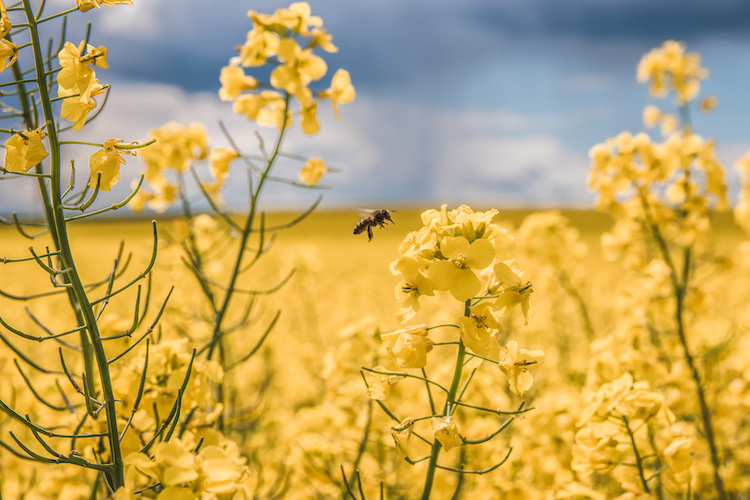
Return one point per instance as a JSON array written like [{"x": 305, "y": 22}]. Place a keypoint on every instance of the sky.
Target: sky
[{"x": 480, "y": 102}]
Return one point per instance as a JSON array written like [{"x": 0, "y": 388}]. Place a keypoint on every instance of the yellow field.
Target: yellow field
[{"x": 299, "y": 408}]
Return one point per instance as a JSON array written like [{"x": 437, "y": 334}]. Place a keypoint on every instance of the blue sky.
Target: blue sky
[{"x": 483, "y": 102}]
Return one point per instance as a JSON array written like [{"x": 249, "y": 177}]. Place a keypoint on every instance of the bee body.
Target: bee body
[{"x": 371, "y": 219}]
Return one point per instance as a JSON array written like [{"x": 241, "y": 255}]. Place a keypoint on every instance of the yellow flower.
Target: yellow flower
[
  {"x": 401, "y": 434},
  {"x": 8, "y": 53},
  {"x": 76, "y": 76},
  {"x": 106, "y": 162},
  {"x": 445, "y": 431},
  {"x": 233, "y": 81},
  {"x": 313, "y": 170},
  {"x": 84, "y": 5},
  {"x": 409, "y": 345},
  {"x": 5, "y": 24},
  {"x": 410, "y": 288},
  {"x": 220, "y": 159},
  {"x": 341, "y": 90},
  {"x": 512, "y": 291},
  {"x": 515, "y": 364},
  {"x": 678, "y": 455},
  {"x": 309, "y": 121},
  {"x": 299, "y": 68},
  {"x": 378, "y": 384},
  {"x": 670, "y": 68},
  {"x": 259, "y": 45},
  {"x": 320, "y": 38},
  {"x": 22, "y": 153},
  {"x": 708, "y": 104},
  {"x": 651, "y": 116},
  {"x": 479, "y": 330},
  {"x": 455, "y": 273},
  {"x": 76, "y": 111}
]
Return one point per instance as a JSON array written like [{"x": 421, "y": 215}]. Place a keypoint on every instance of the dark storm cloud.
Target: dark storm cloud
[
  {"x": 629, "y": 20},
  {"x": 392, "y": 45}
]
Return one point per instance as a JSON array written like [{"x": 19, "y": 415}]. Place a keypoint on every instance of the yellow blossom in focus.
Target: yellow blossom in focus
[
  {"x": 401, "y": 434},
  {"x": 408, "y": 291},
  {"x": 77, "y": 77},
  {"x": 515, "y": 363},
  {"x": 8, "y": 53},
  {"x": 84, "y": 5},
  {"x": 512, "y": 290},
  {"x": 455, "y": 273},
  {"x": 446, "y": 432},
  {"x": 5, "y": 24},
  {"x": 479, "y": 330},
  {"x": 106, "y": 163},
  {"x": 409, "y": 345},
  {"x": 341, "y": 90},
  {"x": 76, "y": 111},
  {"x": 23, "y": 153},
  {"x": 312, "y": 171},
  {"x": 233, "y": 81}
]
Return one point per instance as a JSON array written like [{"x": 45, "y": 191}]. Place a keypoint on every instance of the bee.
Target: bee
[{"x": 371, "y": 219}]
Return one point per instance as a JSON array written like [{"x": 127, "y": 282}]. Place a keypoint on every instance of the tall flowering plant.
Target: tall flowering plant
[
  {"x": 461, "y": 253},
  {"x": 80, "y": 419}
]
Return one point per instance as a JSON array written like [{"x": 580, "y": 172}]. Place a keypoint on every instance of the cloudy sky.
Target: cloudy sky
[{"x": 483, "y": 102}]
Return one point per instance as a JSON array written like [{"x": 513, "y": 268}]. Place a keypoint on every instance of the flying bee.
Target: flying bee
[{"x": 371, "y": 219}]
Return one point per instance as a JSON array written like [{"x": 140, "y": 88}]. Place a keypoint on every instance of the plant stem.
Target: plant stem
[
  {"x": 79, "y": 298},
  {"x": 448, "y": 409}
]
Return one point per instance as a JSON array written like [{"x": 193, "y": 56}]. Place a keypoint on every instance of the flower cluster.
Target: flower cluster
[
  {"x": 176, "y": 147},
  {"x": 627, "y": 432},
  {"x": 287, "y": 38},
  {"x": 670, "y": 69}
]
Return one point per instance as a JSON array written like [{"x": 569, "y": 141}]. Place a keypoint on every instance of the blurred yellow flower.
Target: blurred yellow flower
[
  {"x": 220, "y": 159},
  {"x": 22, "y": 153},
  {"x": 341, "y": 90},
  {"x": 313, "y": 170},
  {"x": 455, "y": 273},
  {"x": 515, "y": 363},
  {"x": 708, "y": 104},
  {"x": 310, "y": 123},
  {"x": 670, "y": 69},
  {"x": 445, "y": 431},
  {"x": 233, "y": 81},
  {"x": 409, "y": 345}
]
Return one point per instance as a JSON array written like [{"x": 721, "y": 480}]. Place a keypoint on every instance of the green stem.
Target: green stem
[
  {"x": 638, "y": 461},
  {"x": 81, "y": 303},
  {"x": 448, "y": 409}
]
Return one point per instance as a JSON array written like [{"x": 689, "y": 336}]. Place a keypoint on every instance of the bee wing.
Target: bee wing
[{"x": 363, "y": 212}]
